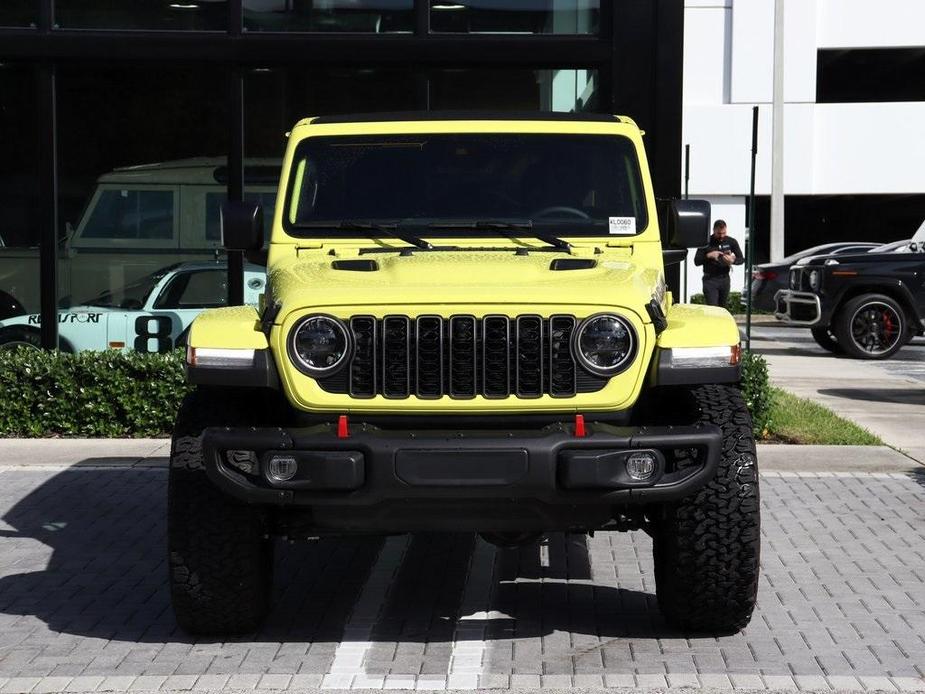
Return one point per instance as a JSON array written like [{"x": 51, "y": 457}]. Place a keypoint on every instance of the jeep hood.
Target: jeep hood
[{"x": 618, "y": 277}]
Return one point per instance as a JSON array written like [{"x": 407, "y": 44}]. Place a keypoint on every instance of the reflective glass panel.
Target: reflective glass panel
[
  {"x": 366, "y": 16},
  {"x": 142, "y": 155},
  {"x": 18, "y": 13},
  {"x": 515, "y": 90},
  {"x": 515, "y": 16},
  {"x": 19, "y": 228},
  {"x": 173, "y": 15}
]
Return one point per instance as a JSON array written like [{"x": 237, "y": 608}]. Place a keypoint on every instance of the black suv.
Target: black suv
[{"x": 865, "y": 305}]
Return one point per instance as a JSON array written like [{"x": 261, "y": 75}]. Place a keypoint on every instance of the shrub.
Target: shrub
[
  {"x": 101, "y": 394},
  {"x": 757, "y": 391}
]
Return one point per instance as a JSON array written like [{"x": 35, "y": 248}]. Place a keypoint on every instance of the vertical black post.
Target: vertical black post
[
  {"x": 752, "y": 227},
  {"x": 422, "y": 17},
  {"x": 235, "y": 17},
  {"x": 48, "y": 203},
  {"x": 687, "y": 171},
  {"x": 236, "y": 179}
]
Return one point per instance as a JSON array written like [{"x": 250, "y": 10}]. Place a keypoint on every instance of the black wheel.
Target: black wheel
[
  {"x": 872, "y": 326},
  {"x": 220, "y": 556},
  {"x": 15, "y": 337},
  {"x": 706, "y": 547},
  {"x": 827, "y": 340}
]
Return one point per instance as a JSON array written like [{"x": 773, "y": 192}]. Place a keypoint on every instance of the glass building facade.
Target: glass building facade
[{"x": 124, "y": 124}]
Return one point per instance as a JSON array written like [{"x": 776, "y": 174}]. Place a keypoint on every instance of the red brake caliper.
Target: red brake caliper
[{"x": 888, "y": 325}]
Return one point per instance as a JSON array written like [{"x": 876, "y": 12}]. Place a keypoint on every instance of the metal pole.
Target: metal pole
[
  {"x": 236, "y": 180},
  {"x": 778, "y": 215},
  {"x": 687, "y": 180},
  {"x": 48, "y": 198},
  {"x": 752, "y": 228}
]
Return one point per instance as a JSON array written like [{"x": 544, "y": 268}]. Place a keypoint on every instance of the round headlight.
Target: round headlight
[
  {"x": 814, "y": 279},
  {"x": 319, "y": 345},
  {"x": 604, "y": 344}
]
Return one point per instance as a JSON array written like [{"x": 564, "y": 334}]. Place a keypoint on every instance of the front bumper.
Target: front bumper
[
  {"x": 797, "y": 308},
  {"x": 393, "y": 480}
]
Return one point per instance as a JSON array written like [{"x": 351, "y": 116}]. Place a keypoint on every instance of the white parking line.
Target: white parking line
[
  {"x": 355, "y": 642},
  {"x": 469, "y": 638}
]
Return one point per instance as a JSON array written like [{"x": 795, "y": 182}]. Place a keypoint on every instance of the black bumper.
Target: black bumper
[{"x": 543, "y": 479}]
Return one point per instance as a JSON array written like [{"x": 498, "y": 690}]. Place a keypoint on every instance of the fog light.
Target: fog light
[
  {"x": 282, "y": 468},
  {"x": 641, "y": 466}
]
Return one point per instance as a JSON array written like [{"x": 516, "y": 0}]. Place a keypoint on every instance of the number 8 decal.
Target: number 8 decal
[{"x": 162, "y": 334}]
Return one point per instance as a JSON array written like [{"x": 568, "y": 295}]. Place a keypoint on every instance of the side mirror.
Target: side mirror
[
  {"x": 689, "y": 223},
  {"x": 242, "y": 226}
]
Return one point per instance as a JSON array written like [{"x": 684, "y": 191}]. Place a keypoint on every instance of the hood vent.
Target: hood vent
[
  {"x": 356, "y": 265},
  {"x": 573, "y": 264}
]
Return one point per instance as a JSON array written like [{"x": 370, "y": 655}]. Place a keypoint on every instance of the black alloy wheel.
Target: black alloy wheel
[{"x": 872, "y": 326}]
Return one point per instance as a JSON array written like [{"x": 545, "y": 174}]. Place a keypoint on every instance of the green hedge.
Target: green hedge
[
  {"x": 757, "y": 391},
  {"x": 97, "y": 394},
  {"x": 109, "y": 394}
]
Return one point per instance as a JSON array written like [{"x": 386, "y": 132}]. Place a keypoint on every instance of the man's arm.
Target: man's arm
[
  {"x": 701, "y": 255},
  {"x": 740, "y": 258}
]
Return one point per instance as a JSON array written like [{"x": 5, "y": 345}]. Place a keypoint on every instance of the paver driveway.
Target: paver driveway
[{"x": 84, "y": 603}]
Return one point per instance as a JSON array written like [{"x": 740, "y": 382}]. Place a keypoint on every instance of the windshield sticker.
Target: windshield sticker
[{"x": 622, "y": 226}]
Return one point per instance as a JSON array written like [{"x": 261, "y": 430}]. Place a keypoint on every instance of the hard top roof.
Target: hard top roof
[
  {"x": 196, "y": 171},
  {"x": 464, "y": 115}
]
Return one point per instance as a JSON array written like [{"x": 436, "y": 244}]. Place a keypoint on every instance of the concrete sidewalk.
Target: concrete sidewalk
[
  {"x": 153, "y": 453},
  {"x": 885, "y": 397}
]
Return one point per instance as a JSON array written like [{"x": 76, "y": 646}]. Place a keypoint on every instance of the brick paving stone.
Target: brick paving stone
[
  {"x": 148, "y": 682},
  {"x": 84, "y": 683},
  {"x": 115, "y": 683},
  {"x": 433, "y": 682},
  {"x": 274, "y": 681},
  {"x": 841, "y": 601},
  {"x": 183, "y": 683},
  {"x": 15, "y": 685}
]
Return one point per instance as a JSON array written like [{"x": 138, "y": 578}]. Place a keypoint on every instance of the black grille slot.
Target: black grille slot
[
  {"x": 461, "y": 357},
  {"x": 363, "y": 366},
  {"x": 463, "y": 352},
  {"x": 496, "y": 356},
  {"x": 562, "y": 371},
  {"x": 429, "y": 341},
  {"x": 396, "y": 357},
  {"x": 529, "y": 340}
]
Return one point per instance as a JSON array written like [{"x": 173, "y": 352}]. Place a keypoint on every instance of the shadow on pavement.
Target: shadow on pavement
[
  {"x": 106, "y": 576},
  {"x": 906, "y": 396}
]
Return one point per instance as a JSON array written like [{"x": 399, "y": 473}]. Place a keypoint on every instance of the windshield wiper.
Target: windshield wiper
[
  {"x": 388, "y": 229},
  {"x": 505, "y": 225}
]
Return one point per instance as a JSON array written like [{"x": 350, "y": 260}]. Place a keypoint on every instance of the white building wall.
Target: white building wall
[{"x": 829, "y": 149}]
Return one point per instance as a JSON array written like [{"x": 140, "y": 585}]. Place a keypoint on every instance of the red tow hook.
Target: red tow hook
[
  {"x": 343, "y": 427},
  {"x": 580, "y": 431}
]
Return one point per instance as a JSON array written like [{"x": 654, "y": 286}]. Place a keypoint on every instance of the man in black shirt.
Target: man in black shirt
[{"x": 721, "y": 253}]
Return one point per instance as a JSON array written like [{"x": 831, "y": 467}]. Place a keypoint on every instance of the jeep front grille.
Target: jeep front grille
[{"x": 462, "y": 356}]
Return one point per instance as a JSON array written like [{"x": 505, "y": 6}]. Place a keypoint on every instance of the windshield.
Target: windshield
[
  {"x": 892, "y": 247},
  {"x": 133, "y": 295},
  {"x": 579, "y": 184}
]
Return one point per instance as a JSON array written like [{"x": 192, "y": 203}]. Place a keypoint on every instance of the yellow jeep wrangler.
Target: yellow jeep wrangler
[{"x": 466, "y": 328}]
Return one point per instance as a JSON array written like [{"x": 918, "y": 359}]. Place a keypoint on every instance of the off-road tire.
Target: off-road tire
[
  {"x": 843, "y": 325},
  {"x": 706, "y": 546},
  {"x": 219, "y": 556},
  {"x": 827, "y": 340}
]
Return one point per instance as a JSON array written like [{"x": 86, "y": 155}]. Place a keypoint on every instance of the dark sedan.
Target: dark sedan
[{"x": 768, "y": 278}]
